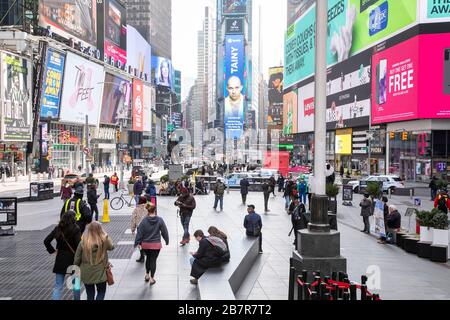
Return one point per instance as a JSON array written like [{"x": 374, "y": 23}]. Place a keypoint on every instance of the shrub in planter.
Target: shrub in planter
[
  {"x": 424, "y": 218},
  {"x": 440, "y": 231},
  {"x": 442, "y": 184},
  {"x": 164, "y": 178},
  {"x": 374, "y": 189}
]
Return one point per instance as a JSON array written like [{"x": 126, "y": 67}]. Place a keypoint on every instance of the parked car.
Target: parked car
[
  {"x": 390, "y": 182},
  {"x": 71, "y": 178},
  {"x": 234, "y": 180}
]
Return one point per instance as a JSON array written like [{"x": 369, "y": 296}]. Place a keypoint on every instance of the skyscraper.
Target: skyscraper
[{"x": 153, "y": 19}]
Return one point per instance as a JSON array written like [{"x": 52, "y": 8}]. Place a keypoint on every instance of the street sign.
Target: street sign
[
  {"x": 86, "y": 151},
  {"x": 417, "y": 202}
]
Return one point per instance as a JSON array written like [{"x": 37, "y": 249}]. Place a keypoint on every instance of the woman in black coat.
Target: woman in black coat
[
  {"x": 67, "y": 235},
  {"x": 206, "y": 257}
]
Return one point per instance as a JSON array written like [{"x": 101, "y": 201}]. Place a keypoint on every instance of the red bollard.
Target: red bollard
[{"x": 417, "y": 227}]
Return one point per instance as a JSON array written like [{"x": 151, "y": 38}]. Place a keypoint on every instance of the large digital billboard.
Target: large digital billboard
[
  {"x": 115, "y": 33},
  {"x": 434, "y": 11},
  {"x": 290, "y": 112},
  {"x": 149, "y": 101},
  {"x": 15, "y": 83},
  {"x": 275, "y": 114},
  {"x": 138, "y": 105},
  {"x": 139, "y": 54},
  {"x": 234, "y": 7},
  {"x": 71, "y": 19},
  {"x": 353, "y": 26},
  {"x": 234, "y": 94},
  {"x": 164, "y": 72},
  {"x": 82, "y": 91},
  {"x": 306, "y": 108},
  {"x": 52, "y": 84},
  {"x": 116, "y": 100}
]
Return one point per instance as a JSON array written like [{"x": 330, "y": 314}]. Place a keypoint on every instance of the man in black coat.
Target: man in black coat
[
  {"x": 205, "y": 257},
  {"x": 186, "y": 203},
  {"x": 299, "y": 222},
  {"x": 266, "y": 191},
  {"x": 244, "y": 190}
]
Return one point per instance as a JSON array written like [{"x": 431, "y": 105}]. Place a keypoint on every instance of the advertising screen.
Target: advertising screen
[
  {"x": 16, "y": 98},
  {"x": 344, "y": 142},
  {"x": 353, "y": 26},
  {"x": 234, "y": 86},
  {"x": 306, "y": 108},
  {"x": 70, "y": 19},
  {"x": 234, "y": 7},
  {"x": 395, "y": 83},
  {"x": 149, "y": 98},
  {"x": 82, "y": 91},
  {"x": 138, "y": 105},
  {"x": 139, "y": 53},
  {"x": 234, "y": 26},
  {"x": 275, "y": 114},
  {"x": 434, "y": 11},
  {"x": 349, "y": 92},
  {"x": 290, "y": 111},
  {"x": 52, "y": 84},
  {"x": 164, "y": 72},
  {"x": 116, "y": 100},
  {"x": 115, "y": 33}
]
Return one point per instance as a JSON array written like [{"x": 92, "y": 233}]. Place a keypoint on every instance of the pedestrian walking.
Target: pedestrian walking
[
  {"x": 106, "y": 183},
  {"x": 139, "y": 213},
  {"x": 272, "y": 184},
  {"x": 186, "y": 204},
  {"x": 287, "y": 193},
  {"x": 67, "y": 235},
  {"x": 150, "y": 192},
  {"x": 302, "y": 189},
  {"x": 93, "y": 200},
  {"x": 244, "y": 190},
  {"x": 219, "y": 191},
  {"x": 92, "y": 258},
  {"x": 115, "y": 181},
  {"x": 298, "y": 218},
  {"x": 66, "y": 190},
  {"x": 266, "y": 191},
  {"x": 253, "y": 225},
  {"x": 366, "y": 212},
  {"x": 433, "y": 188},
  {"x": 148, "y": 237},
  {"x": 90, "y": 181},
  {"x": 280, "y": 183},
  {"x": 83, "y": 214},
  {"x": 137, "y": 190},
  {"x": 205, "y": 257}
]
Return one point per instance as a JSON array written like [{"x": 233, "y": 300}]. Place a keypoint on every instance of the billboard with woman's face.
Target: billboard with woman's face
[
  {"x": 164, "y": 73},
  {"x": 116, "y": 100}
]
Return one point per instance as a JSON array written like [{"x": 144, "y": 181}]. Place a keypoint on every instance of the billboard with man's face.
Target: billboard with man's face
[
  {"x": 16, "y": 98},
  {"x": 234, "y": 86},
  {"x": 275, "y": 114}
]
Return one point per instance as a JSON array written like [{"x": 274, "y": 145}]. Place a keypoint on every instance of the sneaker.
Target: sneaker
[
  {"x": 260, "y": 252},
  {"x": 141, "y": 260},
  {"x": 183, "y": 242},
  {"x": 194, "y": 281},
  {"x": 152, "y": 282},
  {"x": 147, "y": 278}
]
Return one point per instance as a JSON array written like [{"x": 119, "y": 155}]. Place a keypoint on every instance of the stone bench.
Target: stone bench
[{"x": 223, "y": 282}]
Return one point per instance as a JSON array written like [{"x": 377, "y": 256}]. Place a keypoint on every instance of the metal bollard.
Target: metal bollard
[
  {"x": 336, "y": 292},
  {"x": 346, "y": 295},
  {"x": 291, "y": 283},
  {"x": 411, "y": 193},
  {"x": 306, "y": 294},
  {"x": 29, "y": 176},
  {"x": 300, "y": 288},
  {"x": 363, "y": 292},
  {"x": 390, "y": 193},
  {"x": 353, "y": 295}
]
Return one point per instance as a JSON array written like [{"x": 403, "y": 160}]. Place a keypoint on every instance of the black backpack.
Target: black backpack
[
  {"x": 219, "y": 245},
  {"x": 442, "y": 204}
]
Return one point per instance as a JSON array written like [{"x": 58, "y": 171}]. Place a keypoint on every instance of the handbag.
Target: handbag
[{"x": 109, "y": 275}]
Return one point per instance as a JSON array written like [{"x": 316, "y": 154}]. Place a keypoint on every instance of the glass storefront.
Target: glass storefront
[{"x": 65, "y": 147}]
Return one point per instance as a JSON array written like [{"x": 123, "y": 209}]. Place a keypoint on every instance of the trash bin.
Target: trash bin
[{"x": 41, "y": 191}]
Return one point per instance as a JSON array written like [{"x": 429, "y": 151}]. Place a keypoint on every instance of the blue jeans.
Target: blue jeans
[
  {"x": 191, "y": 260},
  {"x": 59, "y": 286},
  {"x": 101, "y": 291},
  {"x": 185, "y": 220},
  {"x": 288, "y": 201},
  {"x": 218, "y": 198},
  {"x": 303, "y": 198},
  {"x": 107, "y": 193},
  {"x": 136, "y": 198}
]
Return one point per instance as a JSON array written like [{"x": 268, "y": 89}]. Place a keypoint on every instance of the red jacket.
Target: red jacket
[
  {"x": 436, "y": 201},
  {"x": 114, "y": 180}
]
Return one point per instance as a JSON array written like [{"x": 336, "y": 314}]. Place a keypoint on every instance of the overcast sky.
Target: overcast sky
[{"x": 187, "y": 19}]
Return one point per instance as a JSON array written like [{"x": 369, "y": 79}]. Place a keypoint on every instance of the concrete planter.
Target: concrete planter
[
  {"x": 440, "y": 237},
  {"x": 426, "y": 234},
  {"x": 130, "y": 188}
]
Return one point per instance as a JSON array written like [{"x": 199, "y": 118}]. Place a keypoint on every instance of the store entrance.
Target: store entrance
[{"x": 407, "y": 170}]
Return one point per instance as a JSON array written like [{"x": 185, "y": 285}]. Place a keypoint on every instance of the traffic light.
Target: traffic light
[
  {"x": 392, "y": 135},
  {"x": 118, "y": 135},
  {"x": 404, "y": 136}
]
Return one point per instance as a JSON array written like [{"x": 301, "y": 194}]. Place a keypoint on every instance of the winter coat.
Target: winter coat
[
  {"x": 150, "y": 230},
  {"x": 92, "y": 196},
  {"x": 206, "y": 257},
  {"x": 85, "y": 211},
  {"x": 138, "y": 188},
  {"x": 394, "y": 220},
  {"x": 65, "y": 255},
  {"x": 244, "y": 186},
  {"x": 366, "y": 207},
  {"x": 219, "y": 189},
  {"x": 188, "y": 206},
  {"x": 92, "y": 274},
  {"x": 251, "y": 221},
  {"x": 66, "y": 193},
  {"x": 151, "y": 190},
  {"x": 266, "y": 188},
  {"x": 138, "y": 215}
]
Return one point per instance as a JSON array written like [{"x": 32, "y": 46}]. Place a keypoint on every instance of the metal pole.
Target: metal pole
[
  {"x": 121, "y": 182},
  {"x": 86, "y": 133}
]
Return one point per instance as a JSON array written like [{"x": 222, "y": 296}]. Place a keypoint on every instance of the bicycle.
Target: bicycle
[{"x": 117, "y": 203}]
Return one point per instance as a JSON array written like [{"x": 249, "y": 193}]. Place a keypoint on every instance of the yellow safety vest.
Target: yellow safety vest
[{"x": 77, "y": 209}]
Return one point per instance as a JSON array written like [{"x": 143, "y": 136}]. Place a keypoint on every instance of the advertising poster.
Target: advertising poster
[
  {"x": 139, "y": 54},
  {"x": 234, "y": 7},
  {"x": 116, "y": 100},
  {"x": 71, "y": 19},
  {"x": 16, "y": 97},
  {"x": 82, "y": 91},
  {"x": 275, "y": 114},
  {"x": 138, "y": 106},
  {"x": 234, "y": 26},
  {"x": 433, "y": 11},
  {"x": 8, "y": 211},
  {"x": 44, "y": 139},
  {"x": 164, "y": 72},
  {"x": 52, "y": 84},
  {"x": 148, "y": 98},
  {"x": 234, "y": 86},
  {"x": 115, "y": 47},
  {"x": 379, "y": 228},
  {"x": 344, "y": 142},
  {"x": 353, "y": 25},
  {"x": 290, "y": 110},
  {"x": 306, "y": 108},
  {"x": 349, "y": 92},
  {"x": 395, "y": 79}
]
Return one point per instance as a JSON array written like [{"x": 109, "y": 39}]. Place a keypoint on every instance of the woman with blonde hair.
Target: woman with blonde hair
[
  {"x": 148, "y": 237},
  {"x": 92, "y": 258}
]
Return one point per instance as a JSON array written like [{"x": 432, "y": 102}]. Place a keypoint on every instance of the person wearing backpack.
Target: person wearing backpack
[
  {"x": 215, "y": 232},
  {"x": 219, "y": 191},
  {"x": 253, "y": 225},
  {"x": 205, "y": 257},
  {"x": 298, "y": 219},
  {"x": 442, "y": 201}
]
